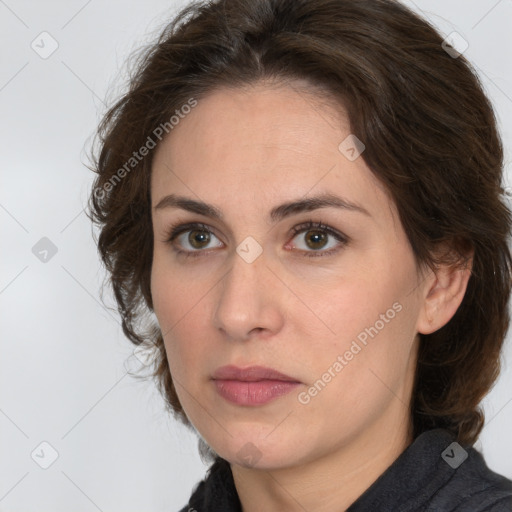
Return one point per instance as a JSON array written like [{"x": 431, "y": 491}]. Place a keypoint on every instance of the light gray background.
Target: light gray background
[{"x": 63, "y": 370}]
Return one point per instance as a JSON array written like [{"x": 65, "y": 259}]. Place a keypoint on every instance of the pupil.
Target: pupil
[
  {"x": 317, "y": 237},
  {"x": 198, "y": 238}
]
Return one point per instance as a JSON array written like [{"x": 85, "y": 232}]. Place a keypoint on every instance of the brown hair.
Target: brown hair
[{"x": 430, "y": 135}]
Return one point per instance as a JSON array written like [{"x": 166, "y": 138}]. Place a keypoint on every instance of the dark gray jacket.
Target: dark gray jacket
[{"x": 433, "y": 474}]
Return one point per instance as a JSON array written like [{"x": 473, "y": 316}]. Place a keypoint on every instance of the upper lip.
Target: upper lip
[{"x": 250, "y": 374}]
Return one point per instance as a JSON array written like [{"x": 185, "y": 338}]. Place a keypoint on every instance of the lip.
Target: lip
[
  {"x": 252, "y": 386},
  {"x": 250, "y": 374}
]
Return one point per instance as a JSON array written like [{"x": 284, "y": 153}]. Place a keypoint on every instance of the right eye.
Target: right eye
[{"x": 192, "y": 238}]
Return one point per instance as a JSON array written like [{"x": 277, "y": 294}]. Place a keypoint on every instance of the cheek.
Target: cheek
[
  {"x": 343, "y": 308},
  {"x": 179, "y": 307},
  {"x": 175, "y": 295},
  {"x": 371, "y": 331},
  {"x": 366, "y": 369}
]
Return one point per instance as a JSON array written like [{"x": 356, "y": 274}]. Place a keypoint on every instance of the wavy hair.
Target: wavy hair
[{"x": 431, "y": 138}]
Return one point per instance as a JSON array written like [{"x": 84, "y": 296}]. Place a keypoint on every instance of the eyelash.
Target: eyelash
[{"x": 178, "y": 229}]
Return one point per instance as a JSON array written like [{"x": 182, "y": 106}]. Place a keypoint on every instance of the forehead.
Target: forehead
[
  {"x": 260, "y": 141},
  {"x": 287, "y": 117}
]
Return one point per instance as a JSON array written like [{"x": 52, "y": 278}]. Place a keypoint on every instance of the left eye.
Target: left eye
[{"x": 316, "y": 239}]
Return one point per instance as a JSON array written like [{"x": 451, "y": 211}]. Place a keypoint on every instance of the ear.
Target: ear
[{"x": 443, "y": 293}]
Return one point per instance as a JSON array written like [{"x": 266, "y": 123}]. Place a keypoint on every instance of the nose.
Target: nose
[{"x": 250, "y": 300}]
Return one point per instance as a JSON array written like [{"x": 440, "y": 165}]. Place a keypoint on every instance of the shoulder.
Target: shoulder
[
  {"x": 473, "y": 487},
  {"x": 436, "y": 474}
]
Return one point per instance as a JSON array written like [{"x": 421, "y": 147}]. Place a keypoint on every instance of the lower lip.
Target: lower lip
[{"x": 253, "y": 393}]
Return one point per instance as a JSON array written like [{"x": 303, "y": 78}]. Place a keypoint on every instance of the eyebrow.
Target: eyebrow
[{"x": 326, "y": 200}]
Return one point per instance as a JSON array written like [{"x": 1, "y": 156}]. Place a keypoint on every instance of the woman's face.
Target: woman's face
[{"x": 305, "y": 269}]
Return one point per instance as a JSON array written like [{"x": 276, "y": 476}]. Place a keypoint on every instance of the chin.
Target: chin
[{"x": 251, "y": 449}]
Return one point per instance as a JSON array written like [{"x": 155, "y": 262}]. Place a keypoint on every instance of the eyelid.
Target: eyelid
[
  {"x": 178, "y": 228},
  {"x": 310, "y": 225}
]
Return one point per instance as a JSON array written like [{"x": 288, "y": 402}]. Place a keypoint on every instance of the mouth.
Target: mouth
[{"x": 252, "y": 386}]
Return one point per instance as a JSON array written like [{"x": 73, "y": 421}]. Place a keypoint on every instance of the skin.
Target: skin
[{"x": 246, "y": 151}]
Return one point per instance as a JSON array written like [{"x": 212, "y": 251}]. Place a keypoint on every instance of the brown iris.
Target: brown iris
[
  {"x": 316, "y": 239},
  {"x": 199, "y": 238}
]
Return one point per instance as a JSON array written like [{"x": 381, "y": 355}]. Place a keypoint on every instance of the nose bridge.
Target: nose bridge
[{"x": 246, "y": 301}]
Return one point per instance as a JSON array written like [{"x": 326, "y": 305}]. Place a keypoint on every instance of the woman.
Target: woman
[{"x": 307, "y": 195}]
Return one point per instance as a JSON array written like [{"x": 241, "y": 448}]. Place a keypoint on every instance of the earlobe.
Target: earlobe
[{"x": 444, "y": 292}]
